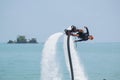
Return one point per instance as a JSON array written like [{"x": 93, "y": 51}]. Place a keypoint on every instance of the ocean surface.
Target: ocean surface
[{"x": 101, "y": 61}]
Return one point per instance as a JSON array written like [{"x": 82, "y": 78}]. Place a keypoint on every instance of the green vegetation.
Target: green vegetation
[{"x": 22, "y": 39}]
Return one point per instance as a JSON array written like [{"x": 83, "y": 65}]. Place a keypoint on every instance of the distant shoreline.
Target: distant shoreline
[{"x": 22, "y": 43}]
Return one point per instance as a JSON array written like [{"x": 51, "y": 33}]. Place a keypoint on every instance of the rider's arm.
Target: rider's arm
[
  {"x": 86, "y": 30},
  {"x": 79, "y": 40}
]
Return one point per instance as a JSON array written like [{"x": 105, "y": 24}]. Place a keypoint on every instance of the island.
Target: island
[{"x": 22, "y": 39}]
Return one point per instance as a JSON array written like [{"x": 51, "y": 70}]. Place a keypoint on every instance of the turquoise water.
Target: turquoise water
[{"x": 22, "y": 61}]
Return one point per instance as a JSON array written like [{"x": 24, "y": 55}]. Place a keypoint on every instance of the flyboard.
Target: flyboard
[{"x": 69, "y": 57}]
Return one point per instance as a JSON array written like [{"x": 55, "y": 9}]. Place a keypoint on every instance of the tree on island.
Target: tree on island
[{"x": 21, "y": 39}]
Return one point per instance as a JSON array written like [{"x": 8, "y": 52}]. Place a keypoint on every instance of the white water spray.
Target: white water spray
[
  {"x": 49, "y": 66},
  {"x": 50, "y": 70},
  {"x": 77, "y": 67}
]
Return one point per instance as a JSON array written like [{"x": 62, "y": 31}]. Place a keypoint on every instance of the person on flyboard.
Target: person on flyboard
[{"x": 82, "y": 36}]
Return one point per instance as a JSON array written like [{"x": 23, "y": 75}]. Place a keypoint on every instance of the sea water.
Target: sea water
[{"x": 101, "y": 61}]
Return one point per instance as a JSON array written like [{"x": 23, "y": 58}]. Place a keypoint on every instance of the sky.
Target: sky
[{"x": 42, "y": 18}]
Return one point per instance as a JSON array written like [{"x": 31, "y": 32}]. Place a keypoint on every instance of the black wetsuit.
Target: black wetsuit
[{"x": 83, "y": 36}]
